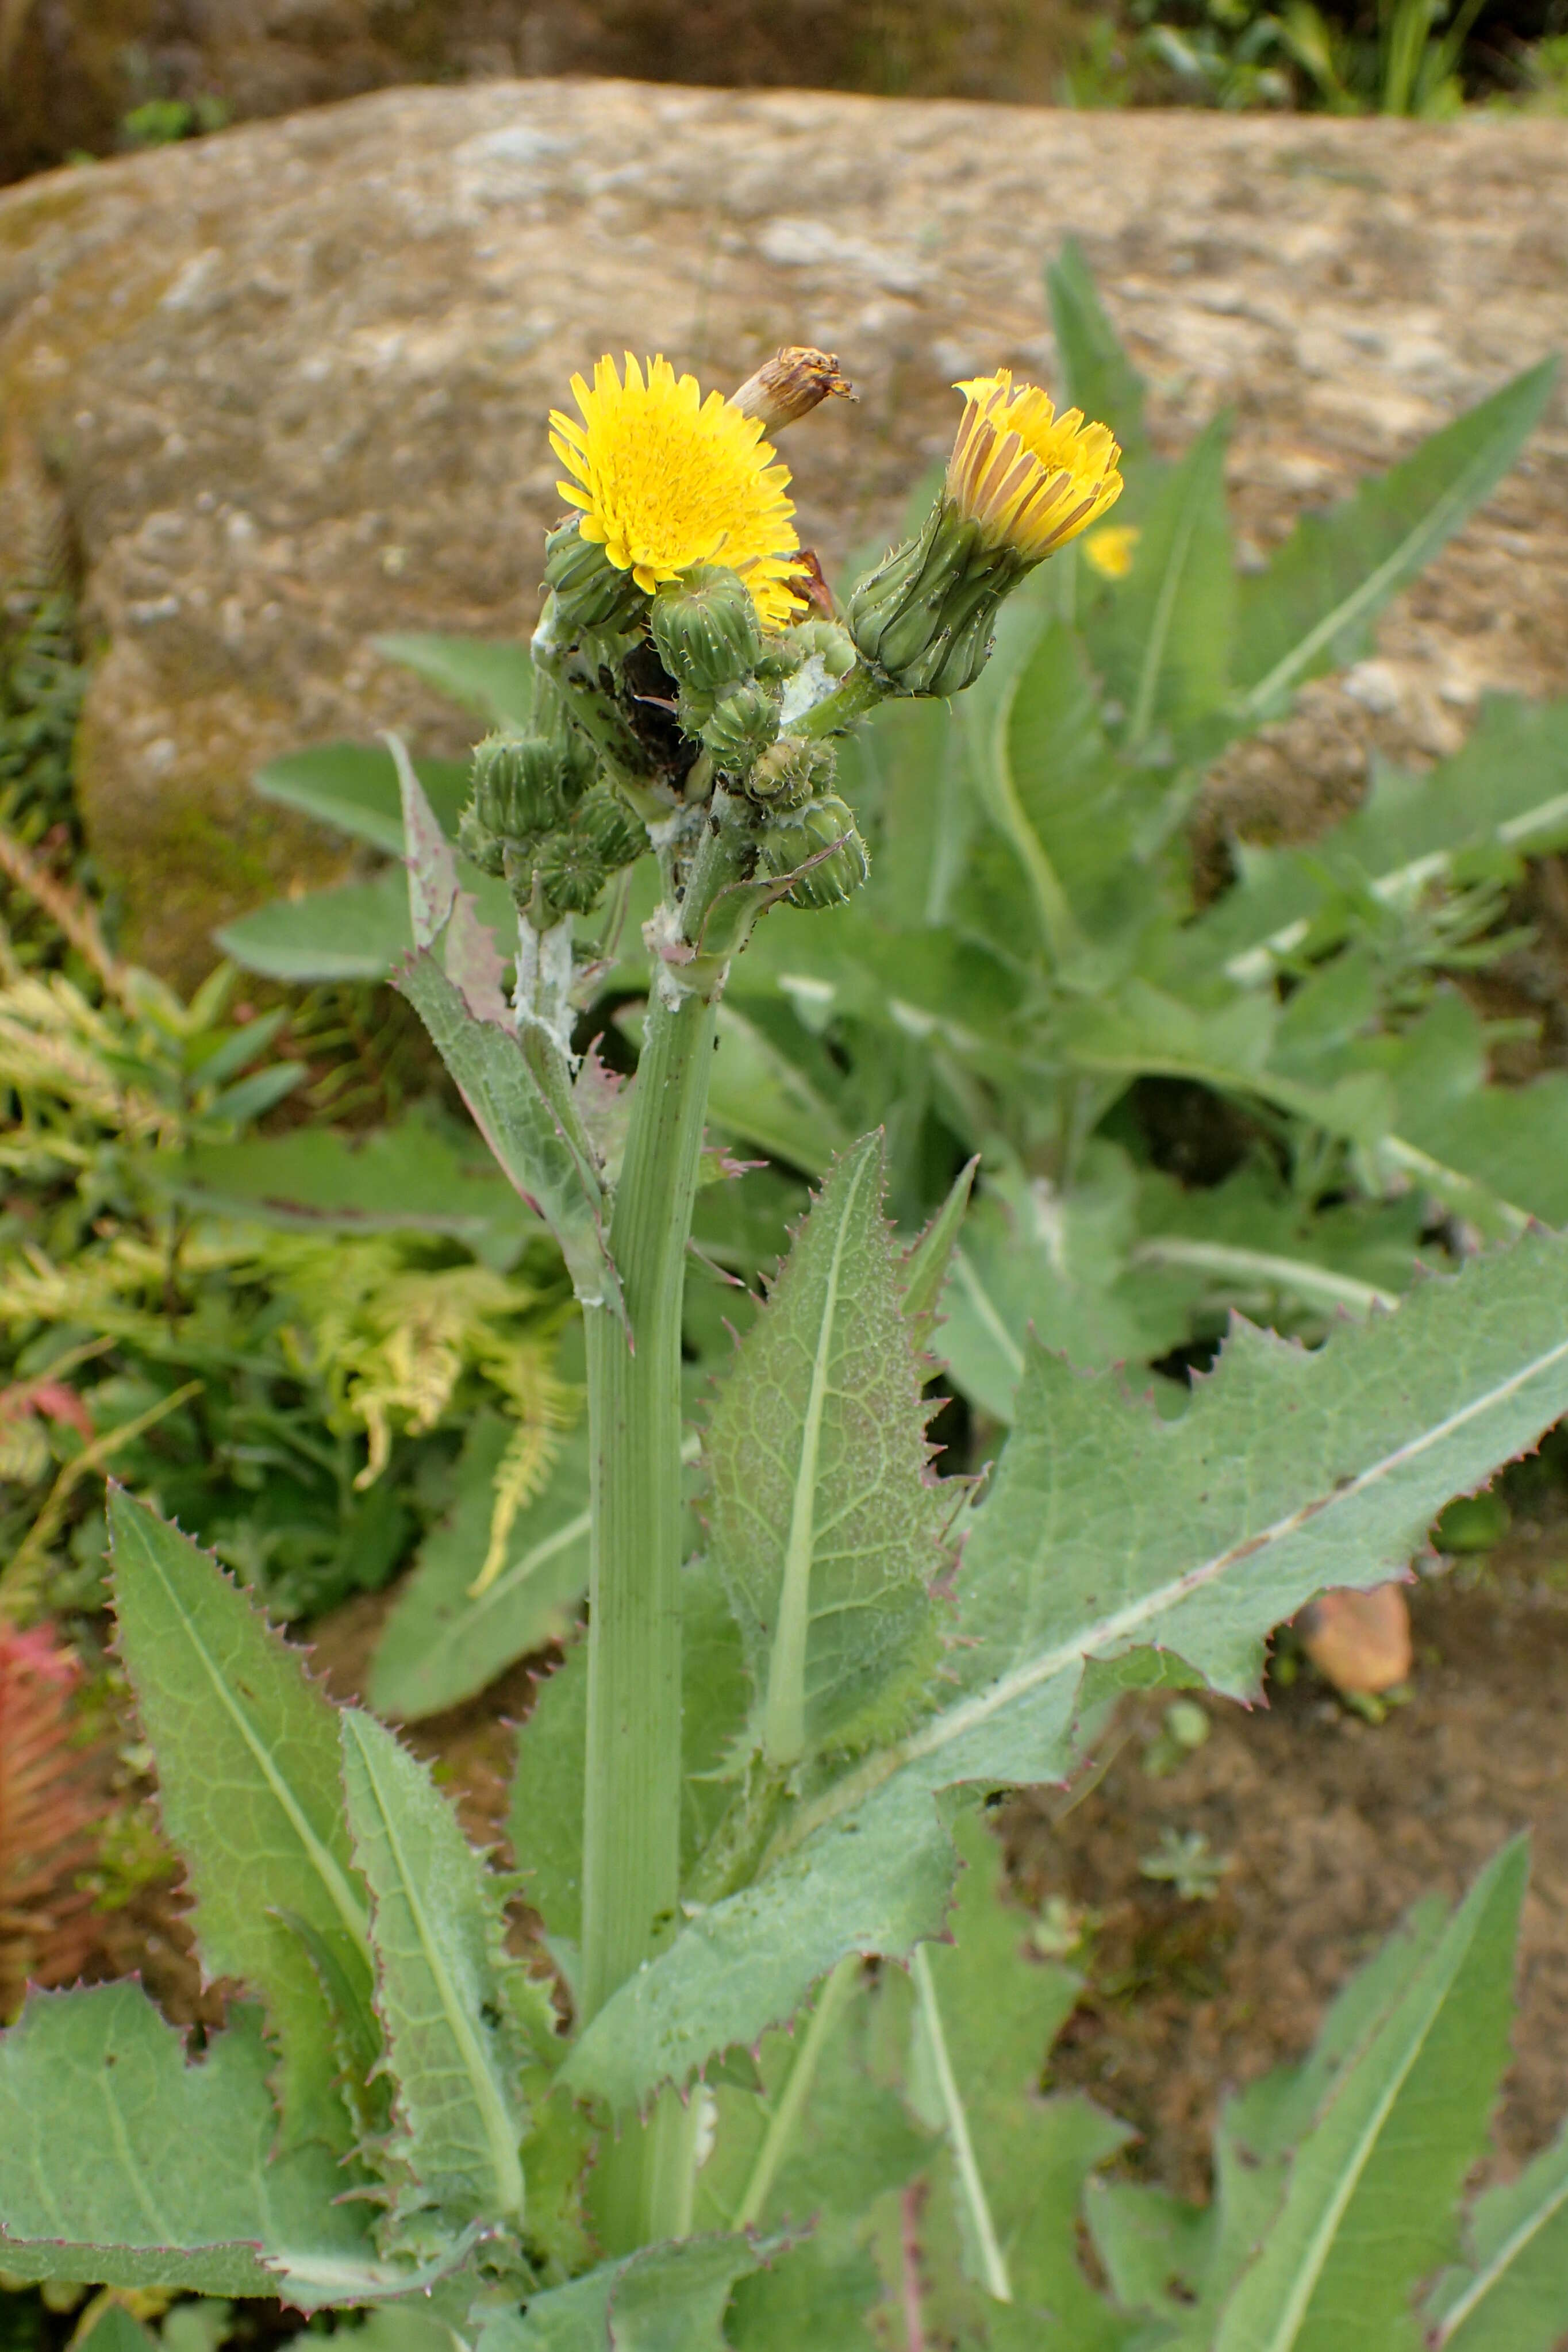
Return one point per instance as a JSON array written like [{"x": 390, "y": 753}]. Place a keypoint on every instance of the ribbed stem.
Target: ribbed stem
[
  {"x": 632, "y": 1798},
  {"x": 849, "y": 703},
  {"x": 632, "y": 1795}
]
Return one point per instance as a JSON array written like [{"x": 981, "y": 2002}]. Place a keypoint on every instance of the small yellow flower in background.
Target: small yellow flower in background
[
  {"x": 1111, "y": 549},
  {"x": 1030, "y": 479},
  {"x": 666, "y": 479}
]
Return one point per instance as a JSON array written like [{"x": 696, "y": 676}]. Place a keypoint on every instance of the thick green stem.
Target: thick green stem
[
  {"x": 847, "y": 704},
  {"x": 631, "y": 1856},
  {"x": 632, "y": 1797}
]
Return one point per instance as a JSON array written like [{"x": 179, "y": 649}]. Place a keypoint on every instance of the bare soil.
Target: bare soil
[{"x": 1333, "y": 1826}]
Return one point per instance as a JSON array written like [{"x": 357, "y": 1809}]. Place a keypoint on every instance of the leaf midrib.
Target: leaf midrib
[
  {"x": 1320, "y": 2245},
  {"x": 500, "y": 2135},
  {"x": 783, "y": 1722},
  {"x": 1383, "y": 579},
  {"x": 1153, "y": 662},
  {"x": 971, "y": 1714},
  {"x": 1502, "y": 2262},
  {"x": 328, "y": 1869}
]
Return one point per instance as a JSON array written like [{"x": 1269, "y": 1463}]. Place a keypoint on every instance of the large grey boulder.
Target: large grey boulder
[{"x": 291, "y": 383}]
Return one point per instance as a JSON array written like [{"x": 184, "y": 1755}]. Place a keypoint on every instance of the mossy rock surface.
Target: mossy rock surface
[{"x": 290, "y": 383}]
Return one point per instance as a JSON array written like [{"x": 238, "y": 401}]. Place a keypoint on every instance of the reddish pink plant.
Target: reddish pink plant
[{"x": 50, "y": 1806}]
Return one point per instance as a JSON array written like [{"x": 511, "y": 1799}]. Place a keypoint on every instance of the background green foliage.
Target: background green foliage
[{"x": 321, "y": 1348}]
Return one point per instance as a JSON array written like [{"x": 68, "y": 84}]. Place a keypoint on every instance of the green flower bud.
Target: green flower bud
[
  {"x": 523, "y": 785},
  {"x": 569, "y": 873},
  {"x": 481, "y": 847},
  {"x": 743, "y": 724},
  {"x": 786, "y": 654},
  {"x": 608, "y": 825},
  {"x": 924, "y": 617},
  {"x": 706, "y": 628},
  {"x": 792, "y": 770},
  {"x": 589, "y": 594},
  {"x": 827, "y": 824}
]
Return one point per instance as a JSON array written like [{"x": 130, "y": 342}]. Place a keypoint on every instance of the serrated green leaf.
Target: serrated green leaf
[
  {"x": 442, "y": 1641},
  {"x": 1070, "y": 791},
  {"x": 1252, "y": 1244},
  {"x": 762, "y": 1098},
  {"x": 552, "y": 1167},
  {"x": 545, "y": 1822},
  {"x": 813, "y": 2146},
  {"x": 122, "y": 2162},
  {"x": 1313, "y": 608},
  {"x": 1100, "y": 377},
  {"x": 491, "y": 675},
  {"x": 1141, "y": 1030},
  {"x": 809, "y": 2294},
  {"x": 820, "y": 1519},
  {"x": 1509, "y": 1139},
  {"x": 353, "y": 788},
  {"x": 247, "y": 1749},
  {"x": 1163, "y": 641},
  {"x": 821, "y": 2138},
  {"x": 1105, "y": 1530},
  {"x": 925, "y": 1266},
  {"x": 1152, "y": 2247},
  {"x": 1512, "y": 2297},
  {"x": 114, "y": 2330},
  {"x": 902, "y": 774},
  {"x": 424, "y": 1174},
  {"x": 357, "y": 931},
  {"x": 715, "y": 1700},
  {"x": 1032, "y": 1259},
  {"x": 1260, "y": 2127},
  {"x": 1508, "y": 787},
  {"x": 669, "y": 2298},
  {"x": 1033, "y": 695},
  {"x": 1367, "y": 2211},
  {"x": 453, "y": 2045},
  {"x": 1017, "y": 2163}
]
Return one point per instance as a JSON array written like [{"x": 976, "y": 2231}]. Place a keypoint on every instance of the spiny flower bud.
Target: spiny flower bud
[
  {"x": 481, "y": 849},
  {"x": 523, "y": 785},
  {"x": 826, "y": 824},
  {"x": 743, "y": 724},
  {"x": 790, "y": 770},
  {"x": 706, "y": 628},
  {"x": 828, "y": 640},
  {"x": 591, "y": 594},
  {"x": 924, "y": 616},
  {"x": 609, "y": 828},
  {"x": 790, "y": 386},
  {"x": 569, "y": 874}
]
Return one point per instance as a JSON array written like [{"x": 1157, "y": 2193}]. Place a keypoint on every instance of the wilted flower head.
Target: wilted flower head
[
  {"x": 666, "y": 479},
  {"x": 1030, "y": 479},
  {"x": 790, "y": 386}
]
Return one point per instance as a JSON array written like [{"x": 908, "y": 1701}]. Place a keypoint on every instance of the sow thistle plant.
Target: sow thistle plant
[{"x": 759, "y": 2096}]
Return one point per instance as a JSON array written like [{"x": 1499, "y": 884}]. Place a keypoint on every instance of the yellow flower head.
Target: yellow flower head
[
  {"x": 1111, "y": 549},
  {"x": 1030, "y": 478},
  {"x": 667, "y": 479}
]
